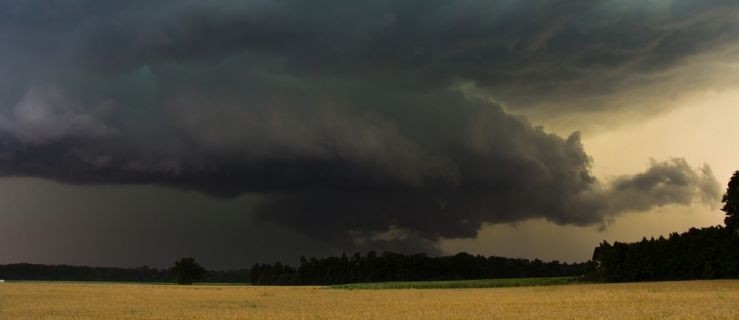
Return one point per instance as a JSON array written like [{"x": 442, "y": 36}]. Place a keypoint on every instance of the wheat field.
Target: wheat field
[{"x": 656, "y": 300}]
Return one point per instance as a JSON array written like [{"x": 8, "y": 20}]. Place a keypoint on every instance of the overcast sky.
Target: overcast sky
[{"x": 236, "y": 132}]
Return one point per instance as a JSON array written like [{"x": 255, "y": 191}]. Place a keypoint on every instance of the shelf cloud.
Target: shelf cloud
[{"x": 364, "y": 124}]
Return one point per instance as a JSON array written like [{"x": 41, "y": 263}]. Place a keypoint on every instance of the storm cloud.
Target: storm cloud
[{"x": 380, "y": 123}]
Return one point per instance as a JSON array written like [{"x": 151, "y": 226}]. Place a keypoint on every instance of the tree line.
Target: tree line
[
  {"x": 399, "y": 267},
  {"x": 705, "y": 253},
  {"x": 41, "y": 272}
]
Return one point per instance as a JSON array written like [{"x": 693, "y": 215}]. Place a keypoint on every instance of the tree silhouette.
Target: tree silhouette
[
  {"x": 400, "y": 267},
  {"x": 731, "y": 203},
  {"x": 705, "y": 253},
  {"x": 186, "y": 271}
]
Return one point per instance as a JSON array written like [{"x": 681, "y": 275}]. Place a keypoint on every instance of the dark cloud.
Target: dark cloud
[
  {"x": 47, "y": 222},
  {"x": 379, "y": 123},
  {"x": 360, "y": 182},
  {"x": 511, "y": 49},
  {"x": 664, "y": 183}
]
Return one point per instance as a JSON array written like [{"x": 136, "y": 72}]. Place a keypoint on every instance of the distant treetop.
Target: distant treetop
[{"x": 731, "y": 203}]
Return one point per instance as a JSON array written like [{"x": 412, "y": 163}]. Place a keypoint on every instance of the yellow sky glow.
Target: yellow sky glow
[{"x": 702, "y": 130}]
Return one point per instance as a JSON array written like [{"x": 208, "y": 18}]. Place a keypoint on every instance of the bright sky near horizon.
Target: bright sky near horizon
[{"x": 701, "y": 130}]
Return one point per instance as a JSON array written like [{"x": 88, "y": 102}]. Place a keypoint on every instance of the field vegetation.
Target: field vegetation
[
  {"x": 716, "y": 299},
  {"x": 462, "y": 284}
]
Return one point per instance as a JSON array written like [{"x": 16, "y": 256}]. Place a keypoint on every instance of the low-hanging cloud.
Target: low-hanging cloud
[
  {"x": 361, "y": 181},
  {"x": 375, "y": 124},
  {"x": 45, "y": 116}
]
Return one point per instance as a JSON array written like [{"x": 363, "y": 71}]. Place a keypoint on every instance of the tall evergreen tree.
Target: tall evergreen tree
[{"x": 731, "y": 203}]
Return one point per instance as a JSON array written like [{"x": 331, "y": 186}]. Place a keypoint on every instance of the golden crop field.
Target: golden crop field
[{"x": 656, "y": 300}]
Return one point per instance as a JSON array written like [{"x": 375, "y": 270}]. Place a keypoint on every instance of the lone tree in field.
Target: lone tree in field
[
  {"x": 731, "y": 203},
  {"x": 186, "y": 271}
]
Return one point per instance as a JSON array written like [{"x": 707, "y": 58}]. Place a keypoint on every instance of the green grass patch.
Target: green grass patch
[{"x": 463, "y": 284}]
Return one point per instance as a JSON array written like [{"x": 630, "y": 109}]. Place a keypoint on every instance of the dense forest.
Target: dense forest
[
  {"x": 332, "y": 270},
  {"x": 705, "y": 253},
  {"x": 398, "y": 267},
  {"x": 25, "y": 271}
]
